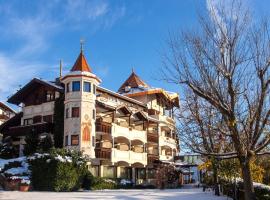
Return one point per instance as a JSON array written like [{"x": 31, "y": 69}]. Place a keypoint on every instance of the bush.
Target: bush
[
  {"x": 59, "y": 170},
  {"x": 101, "y": 183}
]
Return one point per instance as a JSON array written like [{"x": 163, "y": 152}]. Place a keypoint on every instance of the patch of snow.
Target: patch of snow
[{"x": 148, "y": 194}]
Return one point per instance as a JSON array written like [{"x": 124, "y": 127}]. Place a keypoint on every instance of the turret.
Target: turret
[{"x": 80, "y": 109}]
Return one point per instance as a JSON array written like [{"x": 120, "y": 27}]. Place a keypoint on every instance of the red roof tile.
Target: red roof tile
[{"x": 133, "y": 81}]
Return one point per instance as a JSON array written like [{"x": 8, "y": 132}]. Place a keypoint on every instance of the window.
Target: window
[
  {"x": 67, "y": 113},
  {"x": 94, "y": 89},
  {"x": 28, "y": 121},
  {"x": 67, "y": 87},
  {"x": 75, "y": 140},
  {"x": 48, "y": 118},
  {"x": 66, "y": 140},
  {"x": 86, "y": 86},
  {"x": 37, "y": 119},
  {"x": 94, "y": 114},
  {"x": 76, "y": 86},
  {"x": 108, "y": 171},
  {"x": 75, "y": 112},
  {"x": 49, "y": 96}
]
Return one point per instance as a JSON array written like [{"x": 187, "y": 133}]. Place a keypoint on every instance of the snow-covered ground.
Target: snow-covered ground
[{"x": 173, "y": 194}]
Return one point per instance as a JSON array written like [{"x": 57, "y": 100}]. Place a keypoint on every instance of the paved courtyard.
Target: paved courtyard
[{"x": 174, "y": 194}]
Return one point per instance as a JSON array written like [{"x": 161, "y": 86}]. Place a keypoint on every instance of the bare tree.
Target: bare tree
[
  {"x": 201, "y": 129},
  {"x": 226, "y": 63}
]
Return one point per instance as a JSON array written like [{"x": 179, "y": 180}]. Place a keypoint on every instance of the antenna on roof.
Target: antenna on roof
[
  {"x": 82, "y": 43},
  {"x": 60, "y": 69},
  {"x": 132, "y": 70}
]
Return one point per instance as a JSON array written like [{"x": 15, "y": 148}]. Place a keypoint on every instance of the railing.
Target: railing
[
  {"x": 129, "y": 156},
  {"x": 152, "y": 137},
  {"x": 104, "y": 127},
  {"x": 3, "y": 116},
  {"x": 36, "y": 128},
  {"x": 103, "y": 153},
  {"x": 151, "y": 158}
]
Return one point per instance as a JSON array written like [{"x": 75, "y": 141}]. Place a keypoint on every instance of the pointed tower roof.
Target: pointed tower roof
[
  {"x": 133, "y": 81},
  {"x": 81, "y": 64}
]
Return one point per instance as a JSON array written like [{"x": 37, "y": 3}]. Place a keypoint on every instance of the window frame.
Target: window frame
[
  {"x": 74, "y": 89},
  {"x": 72, "y": 139},
  {"x": 73, "y": 112},
  {"x": 87, "y": 83}
]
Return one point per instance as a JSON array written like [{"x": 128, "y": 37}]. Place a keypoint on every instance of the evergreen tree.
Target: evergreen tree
[
  {"x": 32, "y": 142},
  {"x": 46, "y": 143},
  {"x": 58, "y": 129},
  {"x": 7, "y": 151}
]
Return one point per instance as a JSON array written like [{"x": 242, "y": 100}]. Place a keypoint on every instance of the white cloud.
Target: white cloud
[
  {"x": 33, "y": 31},
  {"x": 15, "y": 72}
]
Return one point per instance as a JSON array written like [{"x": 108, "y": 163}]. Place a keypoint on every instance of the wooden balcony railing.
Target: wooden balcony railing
[
  {"x": 103, "y": 153},
  {"x": 104, "y": 127},
  {"x": 152, "y": 137},
  {"x": 36, "y": 128},
  {"x": 151, "y": 158}
]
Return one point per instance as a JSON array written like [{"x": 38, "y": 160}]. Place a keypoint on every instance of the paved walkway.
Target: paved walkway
[{"x": 173, "y": 194}]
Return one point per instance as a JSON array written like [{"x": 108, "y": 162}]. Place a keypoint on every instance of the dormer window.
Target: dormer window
[{"x": 76, "y": 86}]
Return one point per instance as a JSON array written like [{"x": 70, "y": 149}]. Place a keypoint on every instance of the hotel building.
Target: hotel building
[{"x": 124, "y": 133}]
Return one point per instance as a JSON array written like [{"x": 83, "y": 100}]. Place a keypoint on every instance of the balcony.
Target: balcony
[
  {"x": 4, "y": 117},
  {"x": 37, "y": 128},
  {"x": 131, "y": 134},
  {"x": 152, "y": 137},
  {"x": 166, "y": 157},
  {"x": 103, "y": 127},
  {"x": 129, "y": 157},
  {"x": 151, "y": 158},
  {"x": 103, "y": 153}
]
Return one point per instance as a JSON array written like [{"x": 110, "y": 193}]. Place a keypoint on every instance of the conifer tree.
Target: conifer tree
[
  {"x": 58, "y": 129},
  {"x": 32, "y": 142}
]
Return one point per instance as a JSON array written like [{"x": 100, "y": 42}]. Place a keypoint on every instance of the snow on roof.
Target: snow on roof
[{"x": 50, "y": 83}]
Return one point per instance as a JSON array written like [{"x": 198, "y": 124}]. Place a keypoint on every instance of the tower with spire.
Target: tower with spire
[{"x": 80, "y": 114}]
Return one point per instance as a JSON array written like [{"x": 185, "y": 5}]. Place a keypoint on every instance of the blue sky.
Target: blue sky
[{"x": 118, "y": 35}]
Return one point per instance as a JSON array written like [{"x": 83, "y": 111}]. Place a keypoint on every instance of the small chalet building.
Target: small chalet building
[
  {"x": 124, "y": 133},
  {"x": 5, "y": 113}
]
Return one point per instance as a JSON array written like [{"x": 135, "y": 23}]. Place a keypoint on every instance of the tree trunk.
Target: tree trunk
[
  {"x": 215, "y": 176},
  {"x": 248, "y": 183}
]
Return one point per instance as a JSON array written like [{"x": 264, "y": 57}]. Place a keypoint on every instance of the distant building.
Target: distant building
[
  {"x": 124, "y": 133},
  {"x": 5, "y": 114},
  {"x": 188, "y": 166}
]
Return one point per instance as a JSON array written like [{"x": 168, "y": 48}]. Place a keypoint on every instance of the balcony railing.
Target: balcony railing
[
  {"x": 151, "y": 158},
  {"x": 103, "y": 153},
  {"x": 36, "y": 128},
  {"x": 104, "y": 127}
]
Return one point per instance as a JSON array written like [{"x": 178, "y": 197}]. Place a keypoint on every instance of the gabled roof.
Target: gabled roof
[
  {"x": 19, "y": 95},
  {"x": 81, "y": 64},
  {"x": 133, "y": 81}
]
